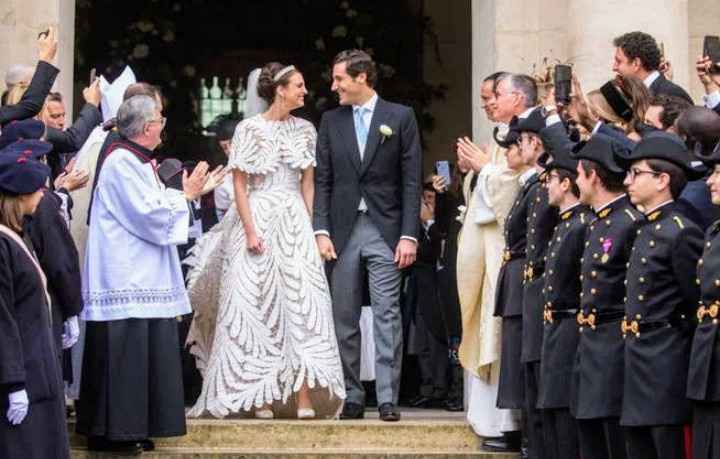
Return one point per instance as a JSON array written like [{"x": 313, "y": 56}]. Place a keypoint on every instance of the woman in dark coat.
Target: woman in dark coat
[{"x": 32, "y": 412}]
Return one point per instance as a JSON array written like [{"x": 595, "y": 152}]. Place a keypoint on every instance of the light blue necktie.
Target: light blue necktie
[{"x": 361, "y": 131}]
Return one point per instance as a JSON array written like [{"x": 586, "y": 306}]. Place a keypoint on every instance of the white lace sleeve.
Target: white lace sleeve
[
  {"x": 301, "y": 151},
  {"x": 249, "y": 151}
]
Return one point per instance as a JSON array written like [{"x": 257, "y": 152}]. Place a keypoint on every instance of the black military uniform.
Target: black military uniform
[
  {"x": 509, "y": 293},
  {"x": 661, "y": 297},
  {"x": 703, "y": 385},
  {"x": 561, "y": 303},
  {"x": 599, "y": 364},
  {"x": 541, "y": 220}
]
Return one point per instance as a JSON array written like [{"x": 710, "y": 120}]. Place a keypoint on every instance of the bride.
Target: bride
[{"x": 263, "y": 333}]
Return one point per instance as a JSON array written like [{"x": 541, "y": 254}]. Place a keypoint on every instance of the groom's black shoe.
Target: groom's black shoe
[
  {"x": 352, "y": 411},
  {"x": 389, "y": 412}
]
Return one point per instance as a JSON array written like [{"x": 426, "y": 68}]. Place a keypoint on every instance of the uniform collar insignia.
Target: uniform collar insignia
[
  {"x": 654, "y": 216},
  {"x": 605, "y": 212},
  {"x": 567, "y": 214}
]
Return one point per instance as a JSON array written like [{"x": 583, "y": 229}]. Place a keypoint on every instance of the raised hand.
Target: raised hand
[
  {"x": 92, "y": 93},
  {"x": 438, "y": 183},
  {"x": 48, "y": 45},
  {"x": 215, "y": 179},
  {"x": 193, "y": 184},
  {"x": 471, "y": 154},
  {"x": 711, "y": 81}
]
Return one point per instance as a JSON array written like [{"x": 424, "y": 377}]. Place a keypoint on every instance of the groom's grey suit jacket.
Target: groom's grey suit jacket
[{"x": 388, "y": 177}]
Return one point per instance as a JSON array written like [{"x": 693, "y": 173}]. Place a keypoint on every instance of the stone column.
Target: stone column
[
  {"x": 703, "y": 19},
  {"x": 20, "y": 23},
  {"x": 593, "y": 25}
]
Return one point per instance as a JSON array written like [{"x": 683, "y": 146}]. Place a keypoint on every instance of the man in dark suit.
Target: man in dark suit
[
  {"x": 367, "y": 214},
  {"x": 637, "y": 54}
]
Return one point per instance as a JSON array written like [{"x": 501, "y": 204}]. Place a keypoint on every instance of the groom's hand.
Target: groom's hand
[
  {"x": 405, "y": 253},
  {"x": 326, "y": 247}
]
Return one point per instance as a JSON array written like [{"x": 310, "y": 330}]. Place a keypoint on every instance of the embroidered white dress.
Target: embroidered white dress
[{"x": 263, "y": 323}]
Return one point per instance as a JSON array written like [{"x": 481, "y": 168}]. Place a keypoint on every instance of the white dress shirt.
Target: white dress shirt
[{"x": 650, "y": 79}]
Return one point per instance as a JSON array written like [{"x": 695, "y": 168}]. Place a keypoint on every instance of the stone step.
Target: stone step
[
  {"x": 297, "y": 453},
  {"x": 251, "y": 434}
]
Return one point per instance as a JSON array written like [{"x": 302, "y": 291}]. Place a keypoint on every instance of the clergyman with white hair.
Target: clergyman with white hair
[{"x": 133, "y": 289}]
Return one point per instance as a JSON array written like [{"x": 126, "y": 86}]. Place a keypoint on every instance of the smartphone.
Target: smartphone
[
  {"x": 711, "y": 49},
  {"x": 563, "y": 83},
  {"x": 442, "y": 168},
  {"x": 93, "y": 75}
]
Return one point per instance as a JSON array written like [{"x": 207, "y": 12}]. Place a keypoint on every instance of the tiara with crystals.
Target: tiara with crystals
[{"x": 283, "y": 72}]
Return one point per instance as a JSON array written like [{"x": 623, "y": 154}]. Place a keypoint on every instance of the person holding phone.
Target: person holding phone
[
  {"x": 708, "y": 72},
  {"x": 33, "y": 96}
]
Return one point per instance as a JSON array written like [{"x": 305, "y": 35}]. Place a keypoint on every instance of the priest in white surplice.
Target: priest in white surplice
[
  {"x": 480, "y": 248},
  {"x": 133, "y": 289}
]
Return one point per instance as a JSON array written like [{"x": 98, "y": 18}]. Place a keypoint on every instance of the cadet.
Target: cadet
[
  {"x": 661, "y": 297},
  {"x": 703, "y": 385},
  {"x": 599, "y": 362},
  {"x": 561, "y": 294},
  {"x": 541, "y": 220}
]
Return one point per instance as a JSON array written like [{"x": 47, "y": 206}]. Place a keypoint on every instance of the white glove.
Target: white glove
[
  {"x": 18, "y": 408},
  {"x": 71, "y": 332}
]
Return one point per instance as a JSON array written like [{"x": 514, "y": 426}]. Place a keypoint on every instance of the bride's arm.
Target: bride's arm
[
  {"x": 242, "y": 204},
  {"x": 307, "y": 186}
]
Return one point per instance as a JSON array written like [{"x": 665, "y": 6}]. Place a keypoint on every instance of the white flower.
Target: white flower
[
  {"x": 320, "y": 44},
  {"x": 386, "y": 132},
  {"x": 141, "y": 51},
  {"x": 339, "y": 31},
  {"x": 351, "y": 13}
]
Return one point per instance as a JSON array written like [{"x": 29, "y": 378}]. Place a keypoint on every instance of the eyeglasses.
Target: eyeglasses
[
  {"x": 634, "y": 172},
  {"x": 162, "y": 120}
]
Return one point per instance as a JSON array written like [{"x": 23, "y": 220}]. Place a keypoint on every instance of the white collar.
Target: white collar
[
  {"x": 648, "y": 212},
  {"x": 562, "y": 211},
  {"x": 527, "y": 175},
  {"x": 369, "y": 105},
  {"x": 607, "y": 204},
  {"x": 526, "y": 113},
  {"x": 650, "y": 79}
]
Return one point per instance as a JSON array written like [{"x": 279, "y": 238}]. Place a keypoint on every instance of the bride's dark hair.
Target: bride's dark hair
[{"x": 267, "y": 85}]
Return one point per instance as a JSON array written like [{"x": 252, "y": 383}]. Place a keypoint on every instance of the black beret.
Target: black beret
[
  {"x": 668, "y": 147},
  {"x": 603, "y": 150},
  {"x": 20, "y": 170},
  {"x": 21, "y": 130}
]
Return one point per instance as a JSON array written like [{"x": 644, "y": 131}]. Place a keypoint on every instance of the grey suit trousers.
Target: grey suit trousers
[{"x": 366, "y": 248}]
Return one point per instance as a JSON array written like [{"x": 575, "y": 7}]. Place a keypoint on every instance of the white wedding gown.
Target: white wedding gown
[{"x": 263, "y": 324}]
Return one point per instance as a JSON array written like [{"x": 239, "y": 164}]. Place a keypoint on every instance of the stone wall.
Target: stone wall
[{"x": 20, "y": 23}]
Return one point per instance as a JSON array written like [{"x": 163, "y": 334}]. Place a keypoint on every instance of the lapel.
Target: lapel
[
  {"x": 380, "y": 117},
  {"x": 657, "y": 84},
  {"x": 347, "y": 131}
]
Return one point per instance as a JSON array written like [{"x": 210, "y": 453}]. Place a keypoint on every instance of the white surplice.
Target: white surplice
[{"x": 131, "y": 267}]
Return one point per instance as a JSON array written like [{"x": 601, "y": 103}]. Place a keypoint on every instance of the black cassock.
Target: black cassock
[
  {"x": 27, "y": 360},
  {"x": 58, "y": 258}
]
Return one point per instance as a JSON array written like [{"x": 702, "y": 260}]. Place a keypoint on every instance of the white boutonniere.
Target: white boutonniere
[{"x": 386, "y": 132}]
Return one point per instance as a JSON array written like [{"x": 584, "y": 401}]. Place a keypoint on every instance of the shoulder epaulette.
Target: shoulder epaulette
[{"x": 679, "y": 222}]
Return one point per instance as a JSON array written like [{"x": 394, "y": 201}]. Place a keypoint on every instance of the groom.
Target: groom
[{"x": 366, "y": 217}]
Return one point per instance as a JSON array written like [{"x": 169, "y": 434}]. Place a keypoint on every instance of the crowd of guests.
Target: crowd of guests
[
  {"x": 606, "y": 298},
  {"x": 563, "y": 290}
]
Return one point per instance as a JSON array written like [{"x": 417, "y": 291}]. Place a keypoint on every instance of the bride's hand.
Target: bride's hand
[{"x": 254, "y": 244}]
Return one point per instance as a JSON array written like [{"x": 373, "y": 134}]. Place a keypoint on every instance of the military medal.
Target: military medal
[{"x": 606, "y": 246}]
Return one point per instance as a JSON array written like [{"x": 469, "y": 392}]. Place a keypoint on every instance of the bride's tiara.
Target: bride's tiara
[{"x": 283, "y": 72}]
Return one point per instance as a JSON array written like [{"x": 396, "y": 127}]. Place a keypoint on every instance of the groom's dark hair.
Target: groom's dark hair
[{"x": 358, "y": 61}]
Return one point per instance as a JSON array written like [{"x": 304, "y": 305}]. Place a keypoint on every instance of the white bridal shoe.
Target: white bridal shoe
[
  {"x": 305, "y": 413},
  {"x": 264, "y": 413}
]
